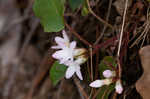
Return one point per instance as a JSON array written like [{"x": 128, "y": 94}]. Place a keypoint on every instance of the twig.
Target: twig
[
  {"x": 60, "y": 89},
  {"x": 104, "y": 44},
  {"x": 97, "y": 92},
  {"x": 145, "y": 31},
  {"x": 91, "y": 63},
  {"x": 77, "y": 82},
  {"x": 91, "y": 69},
  {"x": 103, "y": 96},
  {"x": 77, "y": 35},
  {"x": 120, "y": 40},
  {"x": 99, "y": 18},
  {"x": 107, "y": 18},
  {"x": 123, "y": 23}
]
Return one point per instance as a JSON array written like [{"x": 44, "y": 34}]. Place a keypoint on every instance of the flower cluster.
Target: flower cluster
[
  {"x": 68, "y": 54},
  {"x": 108, "y": 74},
  {"x": 73, "y": 57}
]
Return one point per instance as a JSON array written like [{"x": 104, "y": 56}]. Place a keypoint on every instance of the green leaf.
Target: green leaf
[
  {"x": 103, "y": 66},
  {"x": 85, "y": 10},
  {"x": 50, "y": 13},
  {"x": 105, "y": 91},
  {"x": 57, "y": 72},
  {"x": 74, "y": 4}
]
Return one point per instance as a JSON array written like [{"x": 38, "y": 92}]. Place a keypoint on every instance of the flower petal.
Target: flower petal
[
  {"x": 65, "y": 36},
  {"x": 97, "y": 83},
  {"x": 58, "y": 54},
  {"x": 70, "y": 71},
  {"x": 78, "y": 73},
  {"x": 60, "y": 41},
  {"x": 73, "y": 44},
  {"x": 55, "y": 47}
]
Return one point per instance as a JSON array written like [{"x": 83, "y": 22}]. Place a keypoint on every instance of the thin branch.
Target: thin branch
[
  {"x": 99, "y": 18},
  {"x": 91, "y": 63},
  {"x": 97, "y": 92},
  {"x": 107, "y": 18},
  {"x": 77, "y": 35},
  {"x": 120, "y": 39},
  {"x": 77, "y": 82},
  {"x": 122, "y": 28},
  {"x": 104, "y": 44}
]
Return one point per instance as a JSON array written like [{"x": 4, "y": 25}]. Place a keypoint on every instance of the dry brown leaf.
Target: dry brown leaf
[{"x": 143, "y": 84}]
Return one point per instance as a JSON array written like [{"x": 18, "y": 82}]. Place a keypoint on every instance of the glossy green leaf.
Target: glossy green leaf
[
  {"x": 105, "y": 91},
  {"x": 74, "y": 4},
  {"x": 50, "y": 13},
  {"x": 57, "y": 72},
  {"x": 105, "y": 64}
]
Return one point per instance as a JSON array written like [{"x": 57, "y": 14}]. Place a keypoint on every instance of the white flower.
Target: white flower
[
  {"x": 73, "y": 67},
  {"x": 62, "y": 42},
  {"x": 109, "y": 73},
  {"x": 66, "y": 51},
  {"x": 119, "y": 87},
  {"x": 100, "y": 83},
  {"x": 69, "y": 55}
]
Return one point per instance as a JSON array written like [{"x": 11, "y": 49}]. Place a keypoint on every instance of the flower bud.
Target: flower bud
[
  {"x": 119, "y": 87},
  {"x": 109, "y": 73},
  {"x": 100, "y": 83},
  {"x": 97, "y": 83}
]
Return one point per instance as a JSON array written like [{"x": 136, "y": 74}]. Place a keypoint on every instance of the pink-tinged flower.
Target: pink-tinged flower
[
  {"x": 66, "y": 53},
  {"x": 100, "y": 83},
  {"x": 119, "y": 87},
  {"x": 109, "y": 73},
  {"x": 73, "y": 68},
  {"x": 61, "y": 42}
]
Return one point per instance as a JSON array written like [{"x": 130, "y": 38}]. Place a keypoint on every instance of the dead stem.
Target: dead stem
[
  {"x": 91, "y": 63},
  {"x": 145, "y": 31},
  {"x": 77, "y": 82},
  {"x": 104, "y": 44},
  {"x": 99, "y": 18},
  {"x": 120, "y": 39},
  {"x": 122, "y": 28},
  {"x": 97, "y": 92},
  {"x": 107, "y": 18},
  {"x": 77, "y": 35}
]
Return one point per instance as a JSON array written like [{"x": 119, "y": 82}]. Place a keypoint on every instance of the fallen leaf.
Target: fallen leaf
[{"x": 142, "y": 85}]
